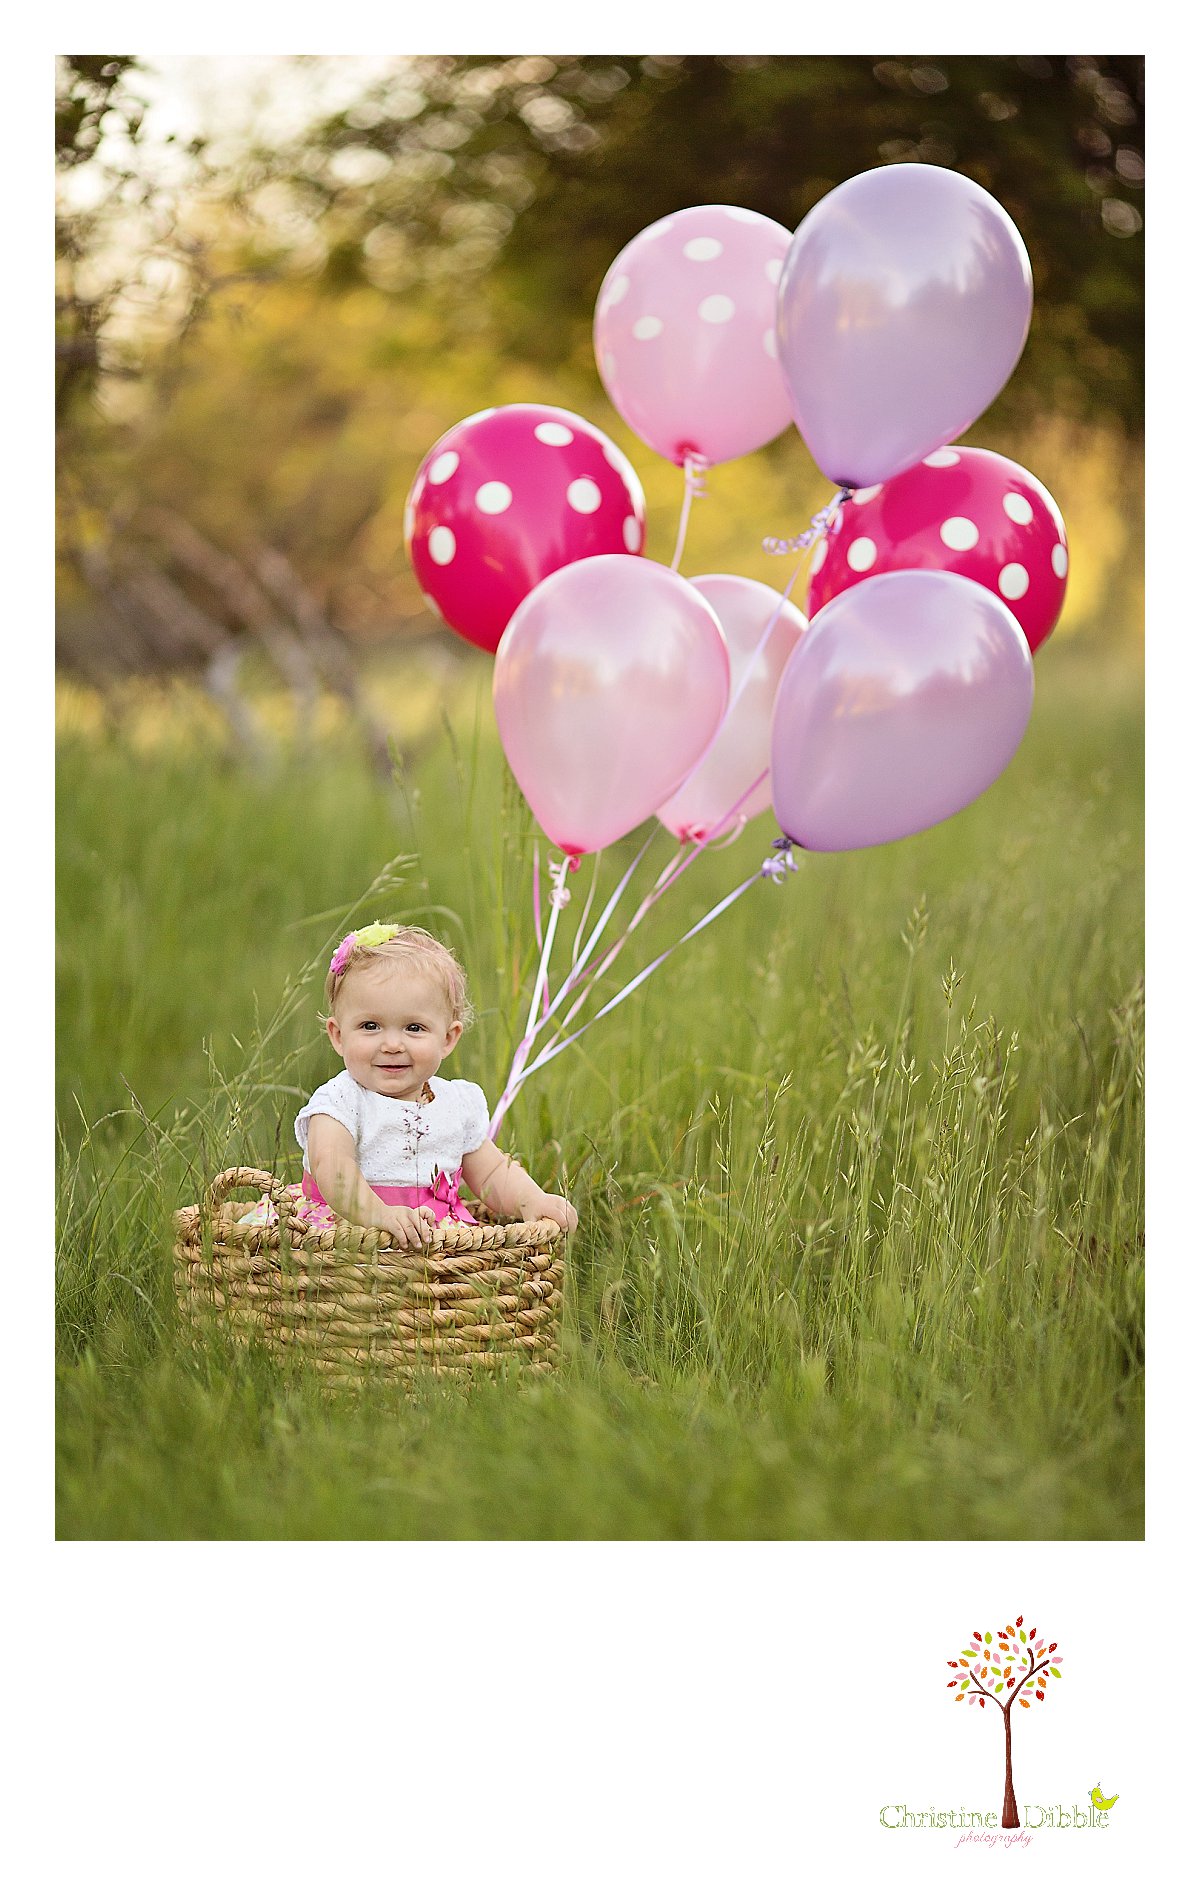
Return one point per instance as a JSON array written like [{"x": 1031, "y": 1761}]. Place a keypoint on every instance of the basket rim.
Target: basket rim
[{"x": 487, "y": 1235}]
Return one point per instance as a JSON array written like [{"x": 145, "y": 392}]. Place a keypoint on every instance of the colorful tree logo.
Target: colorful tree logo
[{"x": 1011, "y": 1668}]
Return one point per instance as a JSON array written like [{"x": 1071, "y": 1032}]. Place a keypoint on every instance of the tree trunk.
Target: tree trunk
[{"x": 1009, "y": 1819}]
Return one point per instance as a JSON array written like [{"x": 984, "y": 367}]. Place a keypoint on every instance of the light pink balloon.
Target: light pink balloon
[
  {"x": 685, "y": 333},
  {"x": 904, "y": 700},
  {"x": 743, "y": 746},
  {"x": 611, "y": 678}
]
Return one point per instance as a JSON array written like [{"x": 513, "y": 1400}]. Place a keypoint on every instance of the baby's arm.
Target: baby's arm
[
  {"x": 334, "y": 1166},
  {"x": 505, "y": 1187}
]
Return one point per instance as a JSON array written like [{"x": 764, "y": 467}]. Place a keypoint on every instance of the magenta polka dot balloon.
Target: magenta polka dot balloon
[
  {"x": 506, "y": 498},
  {"x": 960, "y": 510}
]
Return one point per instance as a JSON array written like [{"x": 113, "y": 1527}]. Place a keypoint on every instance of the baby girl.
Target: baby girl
[{"x": 388, "y": 1142}]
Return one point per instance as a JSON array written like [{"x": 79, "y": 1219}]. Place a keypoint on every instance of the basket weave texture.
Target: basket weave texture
[{"x": 477, "y": 1298}]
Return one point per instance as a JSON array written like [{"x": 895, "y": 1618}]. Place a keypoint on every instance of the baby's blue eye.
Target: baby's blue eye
[
  {"x": 368, "y": 1026},
  {"x": 414, "y": 1027}
]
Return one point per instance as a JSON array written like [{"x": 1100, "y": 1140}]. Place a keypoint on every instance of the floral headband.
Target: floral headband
[{"x": 370, "y": 937}]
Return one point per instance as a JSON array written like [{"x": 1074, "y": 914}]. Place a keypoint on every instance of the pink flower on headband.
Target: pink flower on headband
[
  {"x": 369, "y": 937},
  {"x": 342, "y": 953}
]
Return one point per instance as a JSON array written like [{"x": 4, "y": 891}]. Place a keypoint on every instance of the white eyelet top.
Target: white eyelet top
[{"x": 400, "y": 1141}]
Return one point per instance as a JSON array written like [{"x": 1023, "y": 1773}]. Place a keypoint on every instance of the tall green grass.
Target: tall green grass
[{"x": 859, "y": 1171}]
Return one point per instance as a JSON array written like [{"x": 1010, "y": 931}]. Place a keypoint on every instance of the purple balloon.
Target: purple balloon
[
  {"x": 903, "y": 309},
  {"x": 904, "y": 700}
]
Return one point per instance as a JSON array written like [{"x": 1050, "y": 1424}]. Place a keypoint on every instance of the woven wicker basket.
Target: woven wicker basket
[{"x": 478, "y": 1298}]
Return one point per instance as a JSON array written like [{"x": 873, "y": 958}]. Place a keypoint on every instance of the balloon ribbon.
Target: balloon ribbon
[
  {"x": 695, "y": 467},
  {"x": 817, "y": 527},
  {"x": 775, "y": 868}
]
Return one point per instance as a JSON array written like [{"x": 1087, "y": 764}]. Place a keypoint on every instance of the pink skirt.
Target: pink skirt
[{"x": 441, "y": 1197}]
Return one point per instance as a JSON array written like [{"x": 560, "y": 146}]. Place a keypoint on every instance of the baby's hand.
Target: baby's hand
[
  {"x": 411, "y": 1226},
  {"x": 560, "y": 1209}
]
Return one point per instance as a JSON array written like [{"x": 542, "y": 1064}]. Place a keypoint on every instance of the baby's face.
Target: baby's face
[{"x": 393, "y": 1029}]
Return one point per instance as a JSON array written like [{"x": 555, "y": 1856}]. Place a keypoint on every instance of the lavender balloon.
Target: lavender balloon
[
  {"x": 904, "y": 700},
  {"x": 611, "y": 678},
  {"x": 903, "y": 309}
]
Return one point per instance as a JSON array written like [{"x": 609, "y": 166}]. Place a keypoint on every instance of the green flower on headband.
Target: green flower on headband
[
  {"x": 370, "y": 937},
  {"x": 377, "y": 932}
]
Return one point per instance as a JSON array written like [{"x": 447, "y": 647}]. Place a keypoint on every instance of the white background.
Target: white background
[
  {"x": 589, "y": 1716},
  {"x": 606, "y": 1717}
]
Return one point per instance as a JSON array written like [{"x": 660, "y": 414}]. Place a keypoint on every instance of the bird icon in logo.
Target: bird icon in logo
[{"x": 1100, "y": 1801}]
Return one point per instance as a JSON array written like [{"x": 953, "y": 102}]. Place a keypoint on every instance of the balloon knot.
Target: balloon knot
[
  {"x": 782, "y": 864},
  {"x": 560, "y": 895},
  {"x": 695, "y": 468}
]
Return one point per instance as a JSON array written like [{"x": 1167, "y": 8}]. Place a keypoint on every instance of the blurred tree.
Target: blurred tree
[
  {"x": 537, "y": 170},
  {"x": 133, "y": 277},
  {"x": 124, "y": 259},
  {"x": 437, "y": 245}
]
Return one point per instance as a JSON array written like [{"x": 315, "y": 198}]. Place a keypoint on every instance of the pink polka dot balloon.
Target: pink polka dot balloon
[
  {"x": 685, "y": 333},
  {"x": 507, "y": 497},
  {"x": 960, "y": 510}
]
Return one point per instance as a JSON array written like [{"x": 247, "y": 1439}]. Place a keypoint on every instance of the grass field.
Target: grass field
[{"x": 859, "y": 1171}]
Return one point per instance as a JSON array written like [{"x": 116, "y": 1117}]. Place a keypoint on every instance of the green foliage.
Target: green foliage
[
  {"x": 124, "y": 262},
  {"x": 88, "y": 87},
  {"x": 859, "y": 1172},
  {"x": 539, "y": 169},
  {"x": 266, "y": 342},
  {"x": 287, "y": 420}
]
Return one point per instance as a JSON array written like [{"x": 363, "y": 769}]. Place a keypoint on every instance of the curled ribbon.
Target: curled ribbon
[
  {"x": 782, "y": 863},
  {"x": 695, "y": 467},
  {"x": 817, "y": 527},
  {"x": 560, "y": 895}
]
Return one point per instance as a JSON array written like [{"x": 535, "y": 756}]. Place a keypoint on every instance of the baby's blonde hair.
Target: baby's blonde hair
[{"x": 415, "y": 948}]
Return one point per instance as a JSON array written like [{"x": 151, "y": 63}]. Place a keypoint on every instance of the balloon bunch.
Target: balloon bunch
[{"x": 883, "y": 327}]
